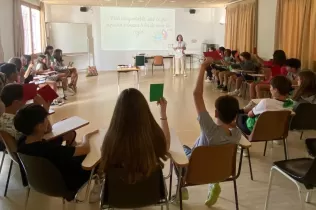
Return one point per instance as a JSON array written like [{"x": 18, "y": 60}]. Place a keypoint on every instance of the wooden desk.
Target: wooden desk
[
  {"x": 126, "y": 70},
  {"x": 190, "y": 55},
  {"x": 94, "y": 156},
  {"x": 64, "y": 126},
  {"x": 176, "y": 151}
]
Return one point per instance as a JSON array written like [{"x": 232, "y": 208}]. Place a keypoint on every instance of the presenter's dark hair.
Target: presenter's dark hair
[{"x": 178, "y": 37}]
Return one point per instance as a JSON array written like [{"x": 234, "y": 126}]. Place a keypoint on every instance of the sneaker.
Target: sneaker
[
  {"x": 69, "y": 92},
  {"x": 220, "y": 86},
  {"x": 245, "y": 153},
  {"x": 234, "y": 93},
  {"x": 185, "y": 75},
  {"x": 185, "y": 195},
  {"x": 213, "y": 194},
  {"x": 239, "y": 94},
  {"x": 224, "y": 90},
  {"x": 95, "y": 193},
  {"x": 277, "y": 142},
  {"x": 174, "y": 75}
]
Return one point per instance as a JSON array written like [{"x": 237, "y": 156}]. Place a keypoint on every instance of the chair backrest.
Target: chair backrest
[
  {"x": 140, "y": 60},
  {"x": 11, "y": 145},
  {"x": 211, "y": 164},
  {"x": 119, "y": 193},
  {"x": 271, "y": 125},
  {"x": 158, "y": 60},
  {"x": 44, "y": 177},
  {"x": 304, "y": 118},
  {"x": 311, "y": 146}
]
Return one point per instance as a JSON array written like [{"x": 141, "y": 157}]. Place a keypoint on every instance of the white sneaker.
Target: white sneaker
[
  {"x": 277, "y": 142},
  {"x": 95, "y": 194},
  {"x": 174, "y": 75},
  {"x": 234, "y": 93},
  {"x": 245, "y": 153},
  {"x": 69, "y": 92},
  {"x": 185, "y": 75},
  {"x": 239, "y": 94}
]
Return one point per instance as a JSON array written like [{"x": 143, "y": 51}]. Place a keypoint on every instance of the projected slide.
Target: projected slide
[{"x": 137, "y": 28}]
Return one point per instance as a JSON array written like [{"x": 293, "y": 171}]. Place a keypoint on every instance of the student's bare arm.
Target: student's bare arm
[
  {"x": 9, "y": 140},
  {"x": 198, "y": 91},
  {"x": 164, "y": 121}
]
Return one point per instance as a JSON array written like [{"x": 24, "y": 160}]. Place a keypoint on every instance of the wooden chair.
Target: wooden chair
[
  {"x": 118, "y": 193},
  {"x": 200, "y": 172},
  {"x": 270, "y": 126},
  {"x": 158, "y": 61},
  {"x": 11, "y": 149}
]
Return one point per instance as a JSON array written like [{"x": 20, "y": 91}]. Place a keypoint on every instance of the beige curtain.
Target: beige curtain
[
  {"x": 1, "y": 50},
  {"x": 43, "y": 26},
  {"x": 296, "y": 30},
  {"x": 241, "y": 32},
  {"x": 18, "y": 29}
]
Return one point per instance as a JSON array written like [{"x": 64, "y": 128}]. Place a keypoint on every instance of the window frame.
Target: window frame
[{"x": 30, "y": 7}]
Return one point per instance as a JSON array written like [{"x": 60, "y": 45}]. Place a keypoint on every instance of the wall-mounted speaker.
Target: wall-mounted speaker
[
  {"x": 84, "y": 9},
  {"x": 192, "y": 11}
]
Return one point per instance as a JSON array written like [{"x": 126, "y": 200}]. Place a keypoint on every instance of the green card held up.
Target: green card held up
[{"x": 156, "y": 92}]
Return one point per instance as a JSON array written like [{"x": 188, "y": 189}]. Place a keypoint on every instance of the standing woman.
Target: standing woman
[
  {"x": 179, "y": 56},
  {"x": 49, "y": 56},
  {"x": 67, "y": 70}
]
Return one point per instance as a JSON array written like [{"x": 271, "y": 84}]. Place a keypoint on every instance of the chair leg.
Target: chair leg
[
  {"x": 27, "y": 197},
  {"x": 285, "y": 149},
  {"x": 308, "y": 197},
  {"x": 179, "y": 189},
  {"x": 2, "y": 160},
  {"x": 170, "y": 181},
  {"x": 64, "y": 204},
  {"x": 8, "y": 179},
  {"x": 269, "y": 188},
  {"x": 265, "y": 148},
  {"x": 89, "y": 186},
  {"x": 152, "y": 70},
  {"x": 250, "y": 167},
  {"x": 300, "y": 194},
  {"x": 302, "y": 135},
  {"x": 236, "y": 195}
]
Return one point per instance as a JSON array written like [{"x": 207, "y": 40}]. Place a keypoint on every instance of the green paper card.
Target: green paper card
[{"x": 156, "y": 92}]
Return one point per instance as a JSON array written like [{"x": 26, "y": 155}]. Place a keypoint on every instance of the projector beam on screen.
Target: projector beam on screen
[{"x": 137, "y": 28}]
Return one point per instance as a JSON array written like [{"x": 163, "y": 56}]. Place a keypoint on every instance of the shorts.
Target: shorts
[{"x": 53, "y": 78}]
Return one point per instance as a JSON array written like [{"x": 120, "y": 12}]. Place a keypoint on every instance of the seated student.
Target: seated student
[
  {"x": 306, "y": 92},
  {"x": 28, "y": 68},
  {"x": 52, "y": 79},
  {"x": 292, "y": 69},
  {"x": 49, "y": 56},
  {"x": 221, "y": 51},
  {"x": 134, "y": 140},
  {"x": 10, "y": 72},
  {"x": 280, "y": 87},
  {"x": 32, "y": 121},
  {"x": 247, "y": 64},
  {"x": 218, "y": 131},
  {"x": 67, "y": 70},
  {"x": 18, "y": 63},
  {"x": 271, "y": 68}
]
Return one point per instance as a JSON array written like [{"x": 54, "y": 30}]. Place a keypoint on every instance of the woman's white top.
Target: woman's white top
[{"x": 179, "y": 52}]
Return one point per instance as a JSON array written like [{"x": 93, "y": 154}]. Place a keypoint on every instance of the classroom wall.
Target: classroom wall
[
  {"x": 6, "y": 28},
  {"x": 266, "y": 27},
  {"x": 199, "y": 27}
]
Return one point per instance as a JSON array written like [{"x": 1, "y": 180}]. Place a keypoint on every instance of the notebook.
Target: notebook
[
  {"x": 29, "y": 91},
  {"x": 215, "y": 55},
  {"x": 47, "y": 93},
  {"x": 156, "y": 92}
]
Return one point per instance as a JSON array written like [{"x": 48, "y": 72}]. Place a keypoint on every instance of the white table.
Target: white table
[
  {"x": 64, "y": 126},
  {"x": 126, "y": 70}
]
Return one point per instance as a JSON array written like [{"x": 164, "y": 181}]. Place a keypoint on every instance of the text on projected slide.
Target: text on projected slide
[{"x": 137, "y": 28}]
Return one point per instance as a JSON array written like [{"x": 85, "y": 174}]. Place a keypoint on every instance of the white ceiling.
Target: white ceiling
[{"x": 145, "y": 3}]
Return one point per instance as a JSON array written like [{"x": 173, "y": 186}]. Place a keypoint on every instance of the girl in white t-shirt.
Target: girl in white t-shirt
[{"x": 179, "y": 48}]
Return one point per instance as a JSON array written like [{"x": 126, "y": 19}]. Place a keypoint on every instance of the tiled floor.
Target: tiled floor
[{"x": 95, "y": 102}]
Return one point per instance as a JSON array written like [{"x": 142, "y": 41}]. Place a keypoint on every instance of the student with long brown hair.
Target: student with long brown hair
[
  {"x": 134, "y": 140},
  {"x": 306, "y": 92}
]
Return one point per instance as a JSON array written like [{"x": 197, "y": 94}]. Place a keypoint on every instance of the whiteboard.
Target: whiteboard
[{"x": 69, "y": 37}]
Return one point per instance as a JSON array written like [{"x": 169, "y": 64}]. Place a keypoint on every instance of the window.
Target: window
[{"x": 32, "y": 28}]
